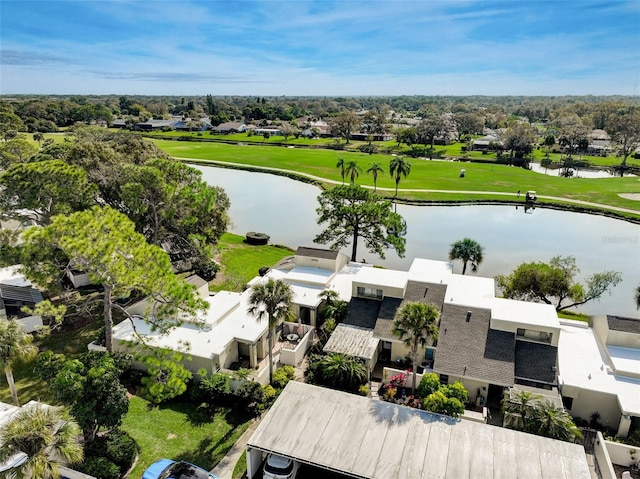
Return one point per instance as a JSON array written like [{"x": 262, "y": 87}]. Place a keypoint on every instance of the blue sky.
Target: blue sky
[{"x": 377, "y": 47}]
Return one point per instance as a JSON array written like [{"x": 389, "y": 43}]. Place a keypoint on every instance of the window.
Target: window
[
  {"x": 541, "y": 336},
  {"x": 369, "y": 292},
  {"x": 567, "y": 402}
]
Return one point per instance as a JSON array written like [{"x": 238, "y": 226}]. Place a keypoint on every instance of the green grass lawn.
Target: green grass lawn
[
  {"x": 181, "y": 431},
  {"x": 425, "y": 174},
  {"x": 241, "y": 261},
  {"x": 29, "y": 386}
]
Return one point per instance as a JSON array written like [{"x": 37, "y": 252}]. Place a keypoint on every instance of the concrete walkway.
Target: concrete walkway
[
  {"x": 224, "y": 469},
  {"x": 469, "y": 192}
]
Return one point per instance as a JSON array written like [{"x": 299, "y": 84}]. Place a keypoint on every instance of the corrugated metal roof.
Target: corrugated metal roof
[
  {"x": 352, "y": 340},
  {"x": 369, "y": 438}
]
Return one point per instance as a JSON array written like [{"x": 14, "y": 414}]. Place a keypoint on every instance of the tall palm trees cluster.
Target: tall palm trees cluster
[{"x": 399, "y": 168}]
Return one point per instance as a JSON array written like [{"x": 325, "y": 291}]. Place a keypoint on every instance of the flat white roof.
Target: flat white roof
[
  {"x": 625, "y": 360},
  {"x": 11, "y": 276},
  {"x": 315, "y": 276},
  {"x": 527, "y": 313},
  {"x": 352, "y": 340},
  {"x": 470, "y": 290},
  {"x": 431, "y": 271},
  {"x": 370, "y": 438},
  {"x": 583, "y": 363},
  {"x": 305, "y": 295},
  {"x": 365, "y": 273},
  {"x": 213, "y": 339}
]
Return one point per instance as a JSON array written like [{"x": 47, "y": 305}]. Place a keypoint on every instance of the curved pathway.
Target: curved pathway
[{"x": 420, "y": 190}]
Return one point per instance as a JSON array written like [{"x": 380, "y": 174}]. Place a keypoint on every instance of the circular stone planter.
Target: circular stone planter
[{"x": 257, "y": 238}]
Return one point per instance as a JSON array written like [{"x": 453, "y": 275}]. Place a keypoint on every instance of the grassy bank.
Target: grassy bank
[{"x": 240, "y": 261}]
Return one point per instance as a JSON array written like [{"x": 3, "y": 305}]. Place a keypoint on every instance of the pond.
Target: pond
[{"x": 285, "y": 210}]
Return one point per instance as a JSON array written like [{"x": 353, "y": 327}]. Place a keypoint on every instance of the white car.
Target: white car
[{"x": 278, "y": 467}]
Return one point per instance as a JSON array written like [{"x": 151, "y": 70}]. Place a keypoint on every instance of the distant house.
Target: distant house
[
  {"x": 154, "y": 125},
  {"x": 599, "y": 143},
  {"x": 119, "y": 123},
  {"x": 230, "y": 127},
  {"x": 487, "y": 142},
  {"x": 272, "y": 131},
  {"x": 361, "y": 136},
  {"x": 16, "y": 291}
]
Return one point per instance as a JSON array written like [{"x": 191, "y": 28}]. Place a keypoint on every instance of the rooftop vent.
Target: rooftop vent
[{"x": 468, "y": 316}]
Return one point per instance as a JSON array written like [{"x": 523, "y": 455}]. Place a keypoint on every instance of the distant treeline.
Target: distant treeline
[{"x": 48, "y": 113}]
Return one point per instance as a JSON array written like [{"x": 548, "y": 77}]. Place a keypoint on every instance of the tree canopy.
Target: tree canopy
[
  {"x": 104, "y": 243},
  {"x": 352, "y": 212},
  {"x": 554, "y": 283}
]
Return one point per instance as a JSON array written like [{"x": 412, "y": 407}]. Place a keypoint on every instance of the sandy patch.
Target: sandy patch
[{"x": 630, "y": 196}]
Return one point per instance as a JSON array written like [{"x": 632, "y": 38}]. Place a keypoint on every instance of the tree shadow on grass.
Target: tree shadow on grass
[{"x": 207, "y": 453}]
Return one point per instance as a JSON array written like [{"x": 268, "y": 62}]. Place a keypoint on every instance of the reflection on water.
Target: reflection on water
[{"x": 285, "y": 210}]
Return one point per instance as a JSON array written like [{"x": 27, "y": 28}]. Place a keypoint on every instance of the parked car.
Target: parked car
[
  {"x": 278, "y": 467},
  {"x": 168, "y": 469}
]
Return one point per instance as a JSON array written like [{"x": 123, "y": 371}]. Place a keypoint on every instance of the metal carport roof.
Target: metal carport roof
[{"x": 369, "y": 438}]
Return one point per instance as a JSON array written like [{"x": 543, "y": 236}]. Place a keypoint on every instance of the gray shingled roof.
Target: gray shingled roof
[
  {"x": 416, "y": 291},
  {"x": 627, "y": 325},
  {"x": 363, "y": 312},
  {"x": 384, "y": 323},
  {"x": 471, "y": 348},
  {"x": 425, "y": 293},
  {"x": 316, "y": 252},
  {"x": 536, "y": 362}
]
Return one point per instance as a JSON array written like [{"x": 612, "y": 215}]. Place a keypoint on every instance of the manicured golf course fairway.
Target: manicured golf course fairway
[{"x": 487, "y": 179}]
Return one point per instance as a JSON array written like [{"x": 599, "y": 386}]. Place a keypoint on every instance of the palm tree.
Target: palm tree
[
  {"x": 15, "y": 345},
  {"x": 343, "y": 371},
  {"x": 374, "y": 169},
  {"x": 415, "y": 324},
  {"x": 342, "y": 165},
  {"x": 46, "y": 436},
  {"x": 518, "y": 407},
  {"x": 554, "y": 422},
  {"x": 467, "y": 250},
  {"x": 353, "y": 170},
  {"x": 399, "y": 167},
  {"x": 333, "y": 307},
  {"x": 637, "y": 295},
  {"x": 273, "y": 298}
]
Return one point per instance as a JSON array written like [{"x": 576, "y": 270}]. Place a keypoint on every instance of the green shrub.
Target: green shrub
[
  {"x": 121, "y": 449},
  {"x": 99, "y": 467},
  {"x": 363, "y": 390},
  {"x": 215, "y": 389},
  {"x": 633, "y": 439},
  {"x": 429, "y": 384},
  {"x": 252, "y": 397},
  {"x": 118, "y": 447},
  {"x": 282, "y": 376}
]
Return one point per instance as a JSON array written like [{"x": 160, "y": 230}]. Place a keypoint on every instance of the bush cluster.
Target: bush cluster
[{"x": 109, "y": 456}]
